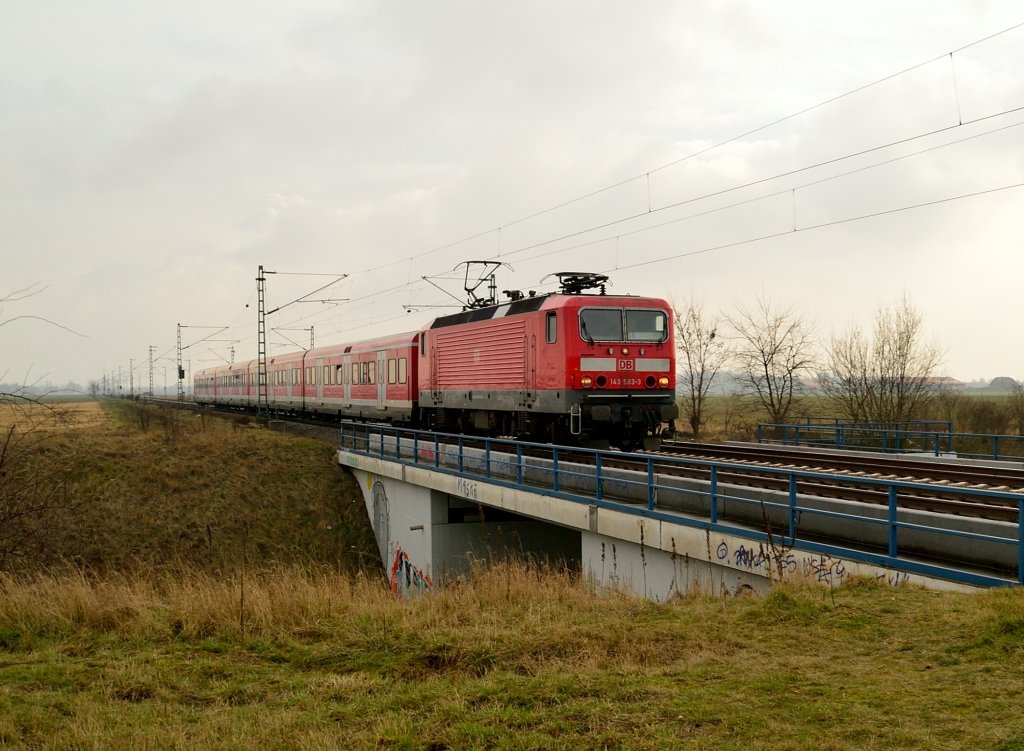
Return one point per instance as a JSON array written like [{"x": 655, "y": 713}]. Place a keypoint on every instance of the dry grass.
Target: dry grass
[
  {"x": 212, "y": 608},
  {"x": 51, "y": 417},
  {"x": 511, "y": 657},
  {"x": 189, "y": 489}
]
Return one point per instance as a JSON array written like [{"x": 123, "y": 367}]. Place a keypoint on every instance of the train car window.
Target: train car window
[
  {"x": 423, "y": 344},
  {"x": 552, "y": 327},
  {"x": 355, "y": 372},
  {"x": 601, "y": 325},
  {"x": 403, "y": 370},
  {"x": 327, "y": 375},
  {"x": 373, "y": 372},
  {"x": 392, "y": 370},
  {"x": 364, "y": 373},
  {"x": 646, "y": 326}
]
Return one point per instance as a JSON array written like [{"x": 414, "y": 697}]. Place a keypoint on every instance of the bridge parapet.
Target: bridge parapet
[{"x": 641, "y": 527}]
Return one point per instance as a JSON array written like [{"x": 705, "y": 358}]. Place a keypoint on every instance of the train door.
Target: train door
[
  {"x": 346, "y": 378},
  {"x": 318, "y": 379},
  {"x": 531, "y": 375},
  {"x": 435, "y": 387},
  {"x": 382, "y": 378}
]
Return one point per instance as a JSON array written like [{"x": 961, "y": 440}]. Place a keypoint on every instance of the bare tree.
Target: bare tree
[
  {"x": 23, "y": 294},
  {"x": 34, "y": 491},
  {"x": 888, "y": 378},
  {"x": 702, "y": 353},
  {"x": 1016, "y": 403},
  {"x": 33, "y": 480},
  {"x": 774, "y": 349}
]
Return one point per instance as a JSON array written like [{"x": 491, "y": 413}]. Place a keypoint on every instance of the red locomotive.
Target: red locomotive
[{"x": 565, "y": 367}]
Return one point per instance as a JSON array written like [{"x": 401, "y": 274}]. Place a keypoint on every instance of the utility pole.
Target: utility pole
[
  {"x": 181, "y": 373},
  {"x": 181, "y": 369},
  {"x": 262, "y": 401},
  {"x": 151, "y": 348},
  {"x": 131, "y": 378}
]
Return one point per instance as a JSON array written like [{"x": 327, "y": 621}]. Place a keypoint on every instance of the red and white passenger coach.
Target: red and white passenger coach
[{"x": 567, "y": 367}]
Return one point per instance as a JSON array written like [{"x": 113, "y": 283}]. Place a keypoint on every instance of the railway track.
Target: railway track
[
  {"x": 924, "y": 486},
  {"x": 948, "y": 473},
  {"x": 939, "y": 487},
  {"x": 936, "y": 486}
]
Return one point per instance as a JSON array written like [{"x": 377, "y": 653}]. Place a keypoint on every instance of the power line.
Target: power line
[
  {"x": 755, "y": 199},
  {"x": 651, "y": 210},
  {"x": 823, "y": 225},
  {"x": 700, "y": 152}
]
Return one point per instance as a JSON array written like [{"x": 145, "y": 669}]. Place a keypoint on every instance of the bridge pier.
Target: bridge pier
[
  {"x": 427, "y": 536},
  {"x": 430, "y": 527}
]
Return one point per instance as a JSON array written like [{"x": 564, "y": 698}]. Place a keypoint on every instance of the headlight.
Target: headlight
[
  {"x": 663, "y": 382},
  {"x": 586, "y": 381}
]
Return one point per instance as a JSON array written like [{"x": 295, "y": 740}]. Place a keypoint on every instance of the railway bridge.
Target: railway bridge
[{"x": 662, "y": 526}]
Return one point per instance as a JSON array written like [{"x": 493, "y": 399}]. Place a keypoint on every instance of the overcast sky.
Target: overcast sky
[{"x": 154, "y": 155}]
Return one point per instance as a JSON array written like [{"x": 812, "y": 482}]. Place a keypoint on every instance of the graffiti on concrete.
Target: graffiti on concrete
[
  {"x": 826, "y": 570},
  {"x": 770, "y": 560},
  {"x": 407, "y": 578},
  {"x": 467, "y": 488},
  {"x": 893, "y": 578},
  {"x": 381, "y": 518},
  {"x": 779, "y": 562}
]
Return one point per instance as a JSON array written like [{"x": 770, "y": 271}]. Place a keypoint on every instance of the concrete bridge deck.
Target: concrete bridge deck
[{"x": 436, "y": 504}]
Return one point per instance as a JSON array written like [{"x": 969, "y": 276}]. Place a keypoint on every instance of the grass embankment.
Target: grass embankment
[
  {"x": 512, "y": 658},
  {"x": 162, "y": 638},
  {"x": 148, "y": 487}
]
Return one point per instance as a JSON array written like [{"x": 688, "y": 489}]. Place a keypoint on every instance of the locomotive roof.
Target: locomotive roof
[{"x": 526, "y": 305}]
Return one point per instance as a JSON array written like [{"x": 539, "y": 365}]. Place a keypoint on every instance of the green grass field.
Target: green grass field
[
  {"x": 512, "y": 658},
  {"x": 223, "y": 593}
]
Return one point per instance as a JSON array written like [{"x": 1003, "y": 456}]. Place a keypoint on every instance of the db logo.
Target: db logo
[{"x": 625, "y": 364}]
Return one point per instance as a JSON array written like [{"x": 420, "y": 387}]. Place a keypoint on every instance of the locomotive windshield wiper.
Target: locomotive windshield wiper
[{"x": 583, "y": 330}]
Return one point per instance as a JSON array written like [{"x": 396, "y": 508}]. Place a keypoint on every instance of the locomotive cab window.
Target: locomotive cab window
[
  {"x": 551, "y": 323},
  {"x": 646, "y": 325},
  {"x": 601, "y": 325},
  {"x": 618, "y": 325}
]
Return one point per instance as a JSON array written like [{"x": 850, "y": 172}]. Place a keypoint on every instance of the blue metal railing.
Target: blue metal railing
[
  {"x": 857, "y": 436},
  {"x": 645, "y": 492}
]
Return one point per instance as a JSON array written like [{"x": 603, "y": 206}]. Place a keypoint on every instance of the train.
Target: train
[{"x": 575, "y": 366}]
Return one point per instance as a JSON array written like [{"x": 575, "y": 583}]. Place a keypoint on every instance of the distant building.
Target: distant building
[
  {"x": 1001, "y": 385},
  {"x": 945, "y": 383}
]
